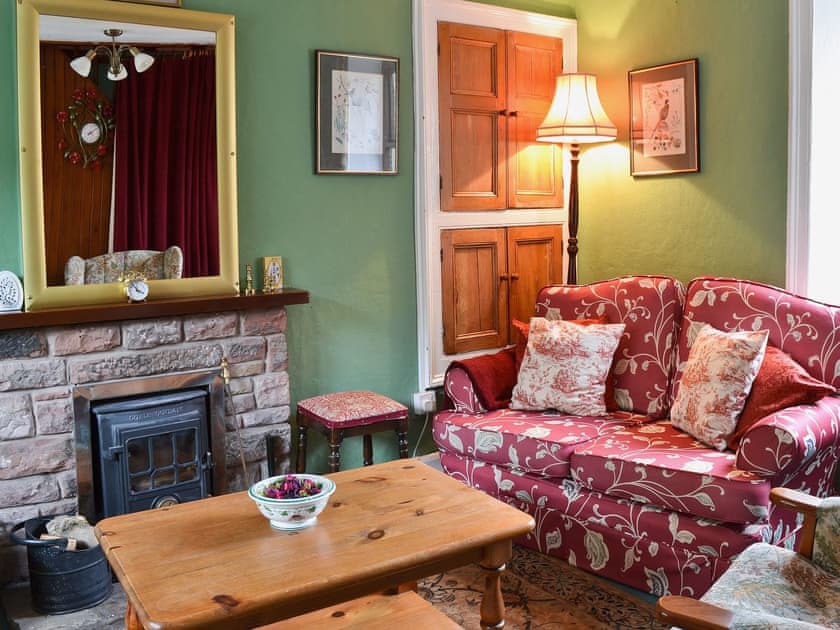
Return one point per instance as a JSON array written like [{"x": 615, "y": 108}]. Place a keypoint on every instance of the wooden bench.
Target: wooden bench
[{"x": 374, "y": 612}]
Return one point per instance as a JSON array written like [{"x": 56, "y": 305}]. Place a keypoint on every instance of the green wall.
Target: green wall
[
  {"x": 728, "y": 219},
  {"x": 349, "y": 240}
]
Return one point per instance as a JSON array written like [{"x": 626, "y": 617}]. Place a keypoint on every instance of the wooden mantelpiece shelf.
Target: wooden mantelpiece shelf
[{"x": 153, "y": 308}]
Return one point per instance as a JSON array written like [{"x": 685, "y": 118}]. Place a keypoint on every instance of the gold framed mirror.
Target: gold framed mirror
[{"x": 38, "y": 293}]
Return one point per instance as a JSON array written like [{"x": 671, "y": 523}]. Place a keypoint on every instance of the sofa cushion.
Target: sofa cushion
[
  {"x": 781, "y": 382},
  {"x": 659, "y": 464},
  {"x": 565, "y": 367},
  {"x": 523, "y": 330},
  {"x": 716, "y": 380},
  {"x": 650, "y": 307},
  {"x": 805, "y": 329},
  {"x": 537, "y": 442}
]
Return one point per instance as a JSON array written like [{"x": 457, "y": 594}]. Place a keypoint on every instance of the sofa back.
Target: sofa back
[
  {"x": 651, "y": 308},
  {"x": 809, "y": 331}
]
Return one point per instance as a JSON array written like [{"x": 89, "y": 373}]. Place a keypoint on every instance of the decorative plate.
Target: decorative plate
[{"x": 11, "y": 292}]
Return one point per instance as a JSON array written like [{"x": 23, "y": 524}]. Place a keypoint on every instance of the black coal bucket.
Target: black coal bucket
[{"x": 62, "y": 581}]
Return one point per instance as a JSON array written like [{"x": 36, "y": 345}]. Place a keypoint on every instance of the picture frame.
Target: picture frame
[
  {"x": 272, "y": 273},
  {"x": 358, "y": 135},
  {"x": 160, "y": 3},
  {"x": 663, "y": 119}
]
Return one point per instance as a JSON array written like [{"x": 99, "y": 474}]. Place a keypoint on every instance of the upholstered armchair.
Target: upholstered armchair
[
  {"x": 154, "y": 265},
  {"x": 771, "y": 587}
]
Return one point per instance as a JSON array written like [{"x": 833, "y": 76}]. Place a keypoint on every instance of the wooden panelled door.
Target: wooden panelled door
[
  {"x": 475, "y": 289},
  {"x": 471, "y": 96},
  {"x": 494, "y": 89},
  {"x": 535, "y": 171},
  {"x": 535, "y": 259},
  {"x": 491, "y": 275}
]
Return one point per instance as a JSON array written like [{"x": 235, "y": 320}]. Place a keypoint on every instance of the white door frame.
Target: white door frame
[{"x": 428, "y": 218}]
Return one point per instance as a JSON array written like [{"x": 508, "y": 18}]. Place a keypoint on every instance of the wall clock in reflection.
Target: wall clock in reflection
[
  {"x": 11, "y": 292},
  {"x": 87, "y": 128}
]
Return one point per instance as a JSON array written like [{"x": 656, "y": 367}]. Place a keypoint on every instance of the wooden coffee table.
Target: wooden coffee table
[{"x": 217, "y": 563}]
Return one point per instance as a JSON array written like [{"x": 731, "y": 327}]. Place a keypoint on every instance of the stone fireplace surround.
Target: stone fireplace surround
[{"x": 41, "y": 365}]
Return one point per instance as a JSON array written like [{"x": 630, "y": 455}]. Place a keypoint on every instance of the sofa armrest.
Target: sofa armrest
[
  {"x": 461, "y": 392},
  {"x": 783, "y": 442},
  {"x": 481, "y": 383}
]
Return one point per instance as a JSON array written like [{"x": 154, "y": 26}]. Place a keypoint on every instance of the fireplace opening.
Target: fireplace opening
[
  {"x": 149, "y": 443},
  {"x": 153, "y": 451}
]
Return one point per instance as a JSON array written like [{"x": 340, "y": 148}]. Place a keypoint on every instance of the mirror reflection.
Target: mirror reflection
[{"x": 128, "y": 124}]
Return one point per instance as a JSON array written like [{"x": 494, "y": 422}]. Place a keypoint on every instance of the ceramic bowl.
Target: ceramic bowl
[{"x": 289, "y": 514}]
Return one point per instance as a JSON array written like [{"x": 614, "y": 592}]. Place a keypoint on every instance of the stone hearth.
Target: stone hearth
[{"x": 39, "y": 368}]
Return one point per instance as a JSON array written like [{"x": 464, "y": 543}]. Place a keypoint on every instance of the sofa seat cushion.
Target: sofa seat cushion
[
  {"x": 644, "y": 546},
  {"x": 536, "y": 442},
  {"x": 660, "y": 465}
]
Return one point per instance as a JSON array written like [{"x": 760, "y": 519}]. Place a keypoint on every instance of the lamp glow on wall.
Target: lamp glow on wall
[
  {"x": 116, "y": 70},
  {"x": 575, "y": 117}
]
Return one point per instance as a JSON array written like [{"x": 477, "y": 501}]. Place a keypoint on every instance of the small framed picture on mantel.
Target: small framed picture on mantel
[
  {"x": 663, "y": 119},
  {"x": 357, "y": 118}
]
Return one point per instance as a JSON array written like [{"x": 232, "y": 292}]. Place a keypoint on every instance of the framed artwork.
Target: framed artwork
[
  {"x": 162, "y": 3},
  {"x": 663, "y": 119},
  {"x": 272, "y": 273},
  {"x": 356, "y": 118}
]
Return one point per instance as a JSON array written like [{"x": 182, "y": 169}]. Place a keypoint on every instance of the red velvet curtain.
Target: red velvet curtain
[{"x": 166, "y": 189}]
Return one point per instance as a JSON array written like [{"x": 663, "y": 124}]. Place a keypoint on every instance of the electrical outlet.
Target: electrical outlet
[{"x": 423, "y": 402}]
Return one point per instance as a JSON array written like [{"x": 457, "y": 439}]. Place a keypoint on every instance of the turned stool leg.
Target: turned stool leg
[
  {"x": 368, "y": 449},
  {"x": 301, "y": 448},
  {"x": 335, "y": 450},
  {"x": 402, "y": 438}
]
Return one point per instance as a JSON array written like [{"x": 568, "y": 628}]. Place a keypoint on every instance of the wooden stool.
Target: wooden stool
[{"x": 346, "y": 414}]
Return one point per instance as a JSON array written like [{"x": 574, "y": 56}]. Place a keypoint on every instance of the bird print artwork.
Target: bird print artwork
[{"x": 663, "y": 118}]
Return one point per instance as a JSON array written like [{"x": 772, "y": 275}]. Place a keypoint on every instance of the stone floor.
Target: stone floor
[{"x": 106, "y": 616}]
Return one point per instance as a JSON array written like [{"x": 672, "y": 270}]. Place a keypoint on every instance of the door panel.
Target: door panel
[
  {"x": 535, "y": 259},
  {"x": 535, "y": 168},
  {"x": 475, "y": 289},
  {"x": 471, "y": 93}
]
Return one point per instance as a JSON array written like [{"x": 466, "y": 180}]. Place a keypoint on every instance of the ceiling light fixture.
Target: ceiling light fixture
[{"x": 116, "y": 70}]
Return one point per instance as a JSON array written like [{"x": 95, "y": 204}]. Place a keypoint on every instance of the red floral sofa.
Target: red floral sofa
[{"x": 626, "y": 495}]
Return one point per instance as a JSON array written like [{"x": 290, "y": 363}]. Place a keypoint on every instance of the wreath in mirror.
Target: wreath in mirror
[{"x": 87, "y": 127}]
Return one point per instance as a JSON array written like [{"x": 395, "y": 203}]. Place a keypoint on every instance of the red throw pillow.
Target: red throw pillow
[
  {"x": 781, "y": 382},
  {"x": 522, "y": 343}
]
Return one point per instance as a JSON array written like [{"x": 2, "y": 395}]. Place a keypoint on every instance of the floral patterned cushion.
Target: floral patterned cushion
[
  {"x": 565, "y": 367},
  {"x": 650, "y": 307},
  {"x": 716, "y": 381},
  {"x": 771, "y": 587},
  {"x": 539, "y": 443},
  {"x": 152, "y": 264},
  {"x": 661, "y": 465},
  {"x": 350, "y": 409}
]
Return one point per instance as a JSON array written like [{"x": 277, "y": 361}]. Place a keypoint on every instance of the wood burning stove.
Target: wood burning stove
[
  {"x": 149, "y": 442},
  {"x": 153, "y": 451}
]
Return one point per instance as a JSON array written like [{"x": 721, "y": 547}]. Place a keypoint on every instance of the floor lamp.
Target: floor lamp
[{"x": 575, "y": 117}]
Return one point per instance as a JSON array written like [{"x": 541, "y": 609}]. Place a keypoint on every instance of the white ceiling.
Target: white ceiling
[{"x": 55, "y": 28}]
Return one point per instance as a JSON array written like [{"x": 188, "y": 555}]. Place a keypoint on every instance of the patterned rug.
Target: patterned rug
[{"x": 541, "y": 593}]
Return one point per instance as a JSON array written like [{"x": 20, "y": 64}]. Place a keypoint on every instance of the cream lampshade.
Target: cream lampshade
[{"x": 575, "y": 117}]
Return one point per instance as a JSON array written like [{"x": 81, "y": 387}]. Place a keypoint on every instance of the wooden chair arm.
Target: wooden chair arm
[
  {"x": 692, "y": 614},
  {"x": 807, "y": 505}
]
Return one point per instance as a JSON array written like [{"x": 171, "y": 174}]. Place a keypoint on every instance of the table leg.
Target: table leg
[
  {"x": 493, "y": 604},
  {"x": 301, "y": 449},
  {"x": 367, "y": 449},
  {"x": 131, "y": 620}
]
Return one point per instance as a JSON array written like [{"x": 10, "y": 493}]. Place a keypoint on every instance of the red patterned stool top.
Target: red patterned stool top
[{"x": 351, "y": 409}]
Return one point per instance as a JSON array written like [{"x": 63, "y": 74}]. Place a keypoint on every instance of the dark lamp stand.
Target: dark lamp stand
[{"x": 572, "y": 246}]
